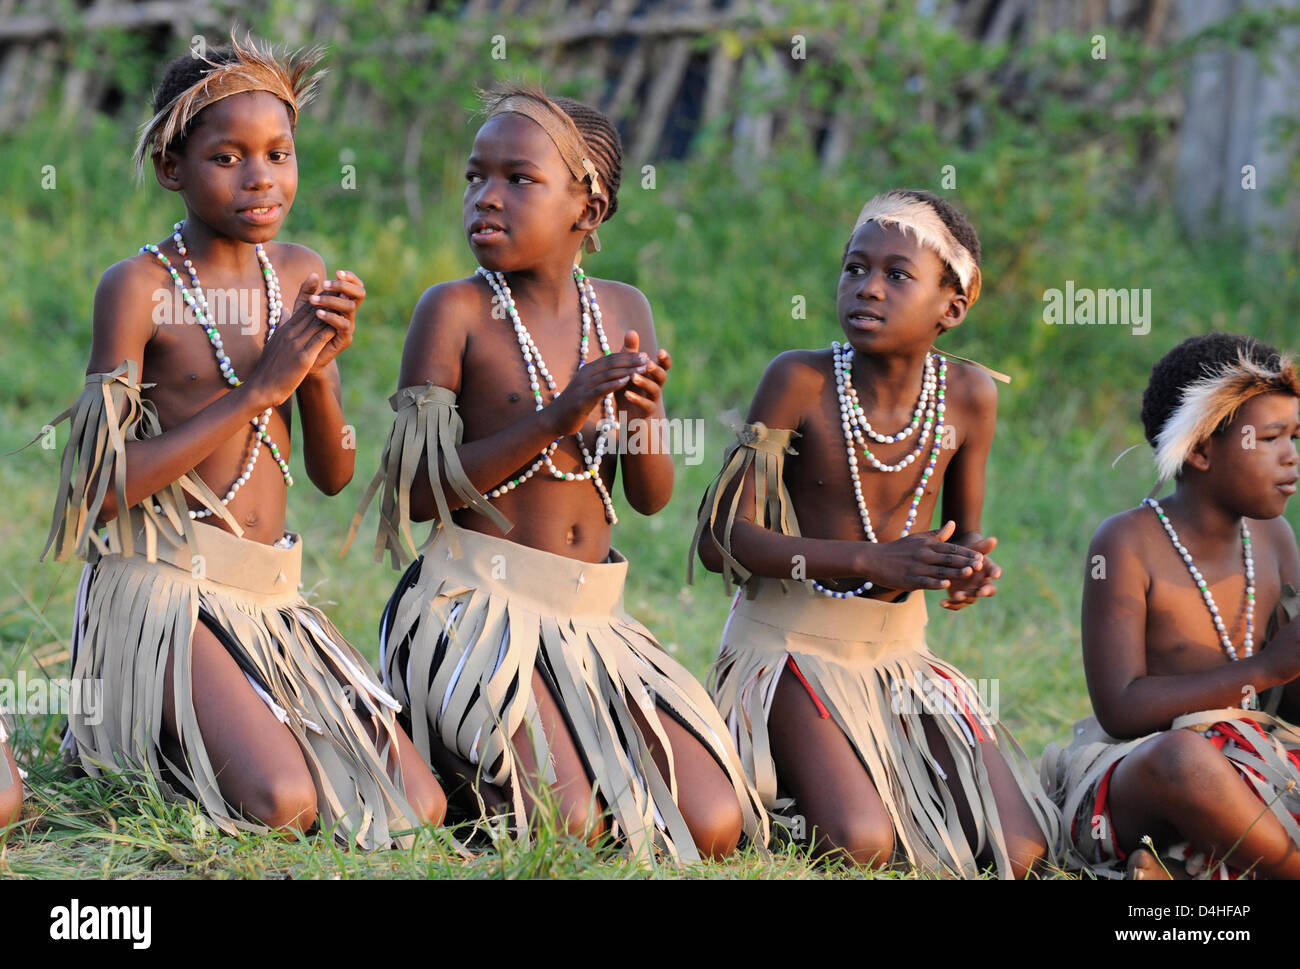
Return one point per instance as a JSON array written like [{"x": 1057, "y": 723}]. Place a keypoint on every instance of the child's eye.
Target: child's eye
[
  {"x": 472, "y": 177},
  {"x": 225, "y": 158},
  {"x": 853, "y": 269},
  {"x": 898, "y": 273},
  {"x": 279, "y": 155},
  {"x": 521, "y": 179}
]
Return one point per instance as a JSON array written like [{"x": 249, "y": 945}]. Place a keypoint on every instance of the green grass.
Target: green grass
[{"x": 720, "y": 258}]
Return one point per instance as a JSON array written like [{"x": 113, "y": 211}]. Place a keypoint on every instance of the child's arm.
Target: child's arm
[
  {"x": 434, "y": 351},
  {"x": 963, "y": 486},
  {"x": 1289, "y": 572},
  {"x": 1127, "y": 701},
  {"x": 920, "y": 561},
  {"x": 648, "y": 474},
  {"x": 122, "y": 329},
  {"x": 328, "y": 454}
]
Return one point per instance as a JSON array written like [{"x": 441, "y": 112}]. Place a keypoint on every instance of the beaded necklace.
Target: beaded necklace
[
  {"x": 535, "y": 367},
  {"x": 1201, "y": 584},
  {"x": 930, "y": 404},
  {"x": 197, "y": 300}
]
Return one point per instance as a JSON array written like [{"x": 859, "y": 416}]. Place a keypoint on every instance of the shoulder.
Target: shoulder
[
  {"x": 295, "y": 262},
  {"x": 971, "y": 388},
  {"x": 127, "y": 293},
  {"x": 792, "y": 383},
  {"x": 135, "y": 276},
  {"x": 798, "y": 370},
  {"x": 1278, "y": 537},
  {"x": 455, "y": 303},
  {"x": 439, "y": 331},
  {"x": 622, "y": 297},
  {"x": 1126, "y": 533}
]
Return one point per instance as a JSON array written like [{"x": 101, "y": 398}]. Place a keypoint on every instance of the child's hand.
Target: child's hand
[
  {"x": 979, "y": 583},
  {"x": 336, "y": 306},
  {"x": 926, "y": 560},
  {"x": 291, "y": 352},
  {"x": 604, "y": 375},
  {"x": 640, "y": 398}
]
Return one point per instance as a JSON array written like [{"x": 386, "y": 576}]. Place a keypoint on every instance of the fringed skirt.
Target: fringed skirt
[
  {"x": 133, "y": 616},
  {"x": 1264, "y": 750},
  {"x": 460, "y": 640},
  {"x": 867, "y": 666}
]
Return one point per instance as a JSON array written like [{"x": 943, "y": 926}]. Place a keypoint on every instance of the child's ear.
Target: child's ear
[
  {"x": 166, "y": 168},
  {"x": 954, "y": 312},
  {"x": 593, "y": 213},
  {"x": 1199, "y": 458}
]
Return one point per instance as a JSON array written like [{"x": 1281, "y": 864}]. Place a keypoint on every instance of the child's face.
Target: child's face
[
  {"x": 889, "y": 296},
  {"x": 1253, "y": 463},
  {"x": 238, "y": 172},
  {"x": 521, "y": 201}
]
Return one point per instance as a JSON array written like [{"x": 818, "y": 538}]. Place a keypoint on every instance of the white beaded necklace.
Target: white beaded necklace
[
  {"x": 853, "y": 421},
  {"x": 536, "y": 366},
  {"x": 1201, "y": 584},
  {"x": 198, "y": 302}
]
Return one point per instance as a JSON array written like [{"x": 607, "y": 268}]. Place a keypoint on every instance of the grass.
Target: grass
[{"x": 720, "y": 259}]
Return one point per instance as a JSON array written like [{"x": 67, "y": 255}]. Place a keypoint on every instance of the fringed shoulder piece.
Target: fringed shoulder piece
[
  {"x": 110, "y": 413},
  {"x": 427, "y": 425},
  {"x": 764, "y": 449}
]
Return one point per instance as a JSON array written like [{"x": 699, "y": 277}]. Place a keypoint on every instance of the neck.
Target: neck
[
  {"x": 889, "y": 380},
  {"x": 549, "y": 286},
  {"x": 1205, "y": 520},
  {"x": 216, "y": 252}
]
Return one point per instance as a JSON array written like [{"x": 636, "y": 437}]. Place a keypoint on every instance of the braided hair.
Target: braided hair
[{"x": 603, "y": 143}]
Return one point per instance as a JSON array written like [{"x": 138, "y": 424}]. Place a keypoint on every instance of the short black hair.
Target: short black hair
[
  {"x": 603, "y": 142},
  {"x": 1193, "y": 359},
  {"x": 957, "y": 224}
]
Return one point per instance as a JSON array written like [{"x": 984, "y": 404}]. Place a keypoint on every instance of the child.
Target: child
[
  {"x": 11, "y": 780},
  {"x": 1170, "y": 607},
  {"x": 218, "y": 678},
  {"x": 824, "y": 675},
  {"x": 515, "y": 658}
]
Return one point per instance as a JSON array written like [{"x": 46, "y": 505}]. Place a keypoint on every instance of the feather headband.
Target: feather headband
[
  {"x": 253, "y": 69},
  {"x": 562, "y": 131},
  {"x": 914, "y": 216},
  {"x": 1210, "y": 402}
]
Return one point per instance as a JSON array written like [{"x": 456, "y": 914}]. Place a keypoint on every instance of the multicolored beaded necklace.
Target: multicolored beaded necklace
[
  {"x": 1201, "y": 584},
  {"x": 930, "y": 405},
  {"x": 195, "y": 298},
  {"x": 535, "y": 367}
]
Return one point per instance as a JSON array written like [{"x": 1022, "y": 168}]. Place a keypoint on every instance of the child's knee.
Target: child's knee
[
  {"x": 716, "y": 827},
  {"x": 1027, "y": 856},
  {"x": 286, "y": 804},
  {"x": 583, "y": 819},
  {"x": 428, "y": 801},
  {"x": 864, "y": 839},
  {"x": 11, "y": 804},
  {"x": 1180, "y": 760}
]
